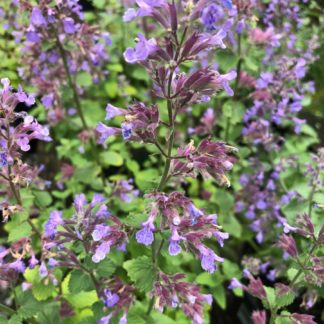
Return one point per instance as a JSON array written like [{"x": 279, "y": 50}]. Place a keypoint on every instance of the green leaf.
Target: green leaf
[
  {"x": 105, "y": 268},
  {"x": 30, "y": 309},
  {"x": 284, "y": 300},
  {"x": 42, "y": 198},
  {"x": 83, "y": 299},
  {"x": 232, "y": 225},
  {"x": 141, "y": 271},
  {"x": 283, "y": 320},
  {"x": 49, "y": 313},
  {"x": 209, "y": 279},
  {"x": 79, "y": 281},
  {"x": 111, "y": 158},
  {"x": 99, "y": 4},
  {"x": 111, "y": 88},
  {"x": 135, "y": 219},
  {"x": 41, "y": 291},
  {"x": 160, "y": 318},
  {"x": 115, "y": 67},
  {"x": 271, "y": 298},
  {"x": 20, "y": 231},
  {"x": 219, "y": 294},
  {"x": 291, "y": 273},
  {"x": 32, "y": 275},
  {"x": 231, "y": 270},
  {"x": 84, "y": 79},
  {"x": 132, "y": 165},
  {"x": 87, "y": 174},
  {"x": 146, "y": 179},
  {"x": 15, "y": 319}
]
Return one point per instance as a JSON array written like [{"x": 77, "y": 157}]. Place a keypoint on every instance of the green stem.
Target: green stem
[
  {"x": 237, "y": 81},
  {"x": 310, "y": 199},
  {"x": 90, "y": 272},
  {"x": 16, "y": 192},
  {"x": 78, "y": 104},
  {"x": 300, "y": 271},
  {"x": 164, "y": 179},
  {"x": 71, "y": 83},
  {"x": 6, "y": 309},
  {"x": 171, "y": 138}
]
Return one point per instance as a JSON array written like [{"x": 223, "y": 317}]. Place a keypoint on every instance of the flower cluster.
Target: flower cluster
[
  {"x": 17, "y": 130},
  {"x": 12, "y": 260},
  {"x": 58, "y": 44},
  {"x": 172, "y": 292},
  {"x": 188, "y": 226},
  {"x": 279, "y": 92},
  {"x": 89, "y": 226},
  {"x": 210, "y": 159},
  {"x": 260, "y": 199},
  {"x": 189, "y": 213},
  {"x": 118, "y": 296}
]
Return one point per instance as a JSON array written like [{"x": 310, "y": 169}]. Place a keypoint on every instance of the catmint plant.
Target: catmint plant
[
  {"x": 17, "y": 130},
  {"x": 181, "y": 179},
  {"x": 173, "y": 212},
  {"x": 56, "y": 45}
]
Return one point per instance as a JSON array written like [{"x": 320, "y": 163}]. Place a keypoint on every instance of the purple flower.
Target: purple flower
[
  {"x": 32, "y": 262},
  {"x": 208, "y": 259},
  {"x": 47, "y": 101},
  {"x": 97, "y": 199},
  {"x": 225, "y": 78},
  {"x": 68, "y": 25},
  {"x": 145, "y": 9},
  {"x": 217, "y": 40},
  {"x": 221, "y": 236},
  {"x": 101, "y": 230},
  {"x": 250, "y": 214},
  {"x": 142, "y": 51},
  {"x": 37, "y": 17},
  {"x": 32, "y": 36},
  {"x": 174, "y": 246},
  {"x": 25, "y": 286},
  {"x": 261, "y": 204},
  {"x": 101, "y": 251},
  {"x": 234, "y": 284},
  {"x": 52, "y": 263},
  {"x": 272, "y": 275},
  {"x": 210, "y": 16},
  {"x": 298, "y": 124},
  {"x": 300, "y": 68},
  {"x": 265, "y": 79},
  {"x": 240, "y": 26},
  {"x": 127, "y": 131},
  {"x": 227, "y": 3},
  {"x": 3, "y": 159},
  {"x": 130, "y": 14},
  {"x": 110, "y": 298},
  {"x": 54, "y": 220},
  {"x": 80, "y": 201},
  {"x": 288, "y": 228},
  {"x": 103, "y": 212},
  {"x": 106, "y": 132},
  {"x": 105, "y": 319},
  {"x": 194, "y": 213},
  {"x": 18, "y": 266},
  {"x": 43, "y": 272},
  {"x": 113, "y": 111},
  {"x": 23, "y": 143},
  {"x": 145, "y": 235}
]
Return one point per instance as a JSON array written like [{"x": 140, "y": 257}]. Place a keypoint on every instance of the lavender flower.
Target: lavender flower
[
  {"x": 48, "y": 67},
  {"x": 142, "y": 51}
]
